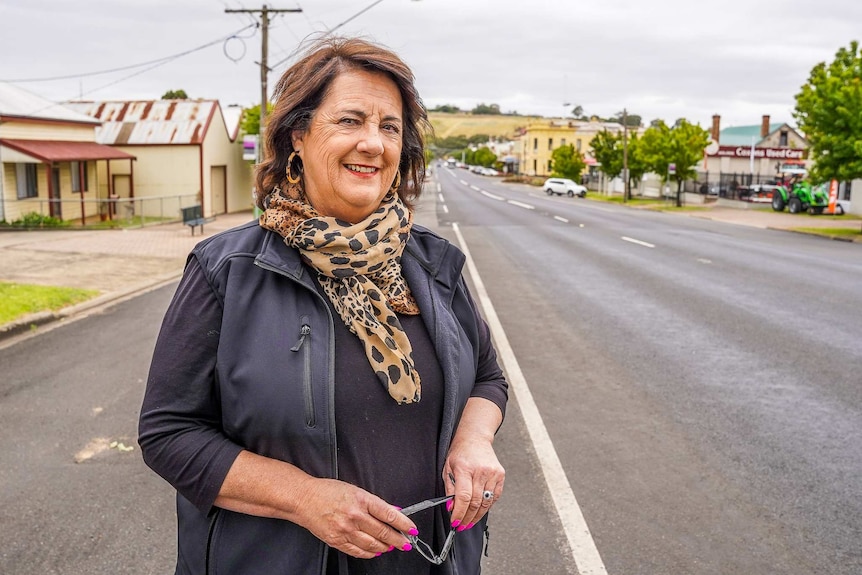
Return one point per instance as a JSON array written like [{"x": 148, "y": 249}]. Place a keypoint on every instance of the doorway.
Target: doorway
[
  {"x": 218, "y": 189},
  {"x": 55, "y": 205}
]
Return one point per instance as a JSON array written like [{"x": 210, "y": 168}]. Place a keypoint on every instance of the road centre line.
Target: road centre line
[
  {"x": 561, "y": 219},
  {"x": 492, "y": 196},
  {"x": 445, "y": 209},
  {"x": 472, "y": 187},
  {"x": 581, "y": 543},
  {"x": 441, "y": 197},
  {"x": 463, "y": 182},
  {"x": 638, "y": 242},
  {"x": 522, "y": 205}
]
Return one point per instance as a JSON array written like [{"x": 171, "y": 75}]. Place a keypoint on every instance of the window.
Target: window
[
  {"x": 550, "y": 165},
  {"x": 27, "y": 182},
  {"x": 563, "y": 142},
  {"x": 782, "y": 139},
  {"x": 535, "y": 144},
  {"x": 578, "y": 144},
  {"x": 550, "y": 143},
  {"x": 534, "y": 166},
  {"x": 76, "y": 176}
]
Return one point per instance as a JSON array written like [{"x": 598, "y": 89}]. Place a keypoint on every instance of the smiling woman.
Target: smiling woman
[{"x": 304, "y": 394}]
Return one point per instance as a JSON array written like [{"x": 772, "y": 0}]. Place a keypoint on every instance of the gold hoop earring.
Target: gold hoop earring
[
  {"x": 397, "y": 183},
  {"x": 287, "y": 171}
]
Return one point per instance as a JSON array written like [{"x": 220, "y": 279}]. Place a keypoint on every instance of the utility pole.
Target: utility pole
[
  {"x": 264, "y": 12},
  {"x": 626, "y": 195}
]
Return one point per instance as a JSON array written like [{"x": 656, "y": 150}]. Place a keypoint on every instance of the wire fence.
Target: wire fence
[{"x": 124, "y": 212}]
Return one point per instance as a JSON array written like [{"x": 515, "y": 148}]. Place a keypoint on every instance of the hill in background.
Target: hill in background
[{"x": 446, "y": 125}]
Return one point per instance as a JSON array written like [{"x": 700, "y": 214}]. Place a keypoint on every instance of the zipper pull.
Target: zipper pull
[{"x": 304, "y": 331}]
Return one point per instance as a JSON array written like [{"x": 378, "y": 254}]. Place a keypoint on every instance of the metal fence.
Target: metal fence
[
  {"x": 731, "y": 185},
  {"x": 127, "y": 212}
]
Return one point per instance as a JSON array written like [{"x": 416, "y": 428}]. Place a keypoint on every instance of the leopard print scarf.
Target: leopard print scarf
[{"x": 359, "y": 268}]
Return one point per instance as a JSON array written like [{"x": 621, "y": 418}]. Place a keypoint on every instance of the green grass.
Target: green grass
[
  {"x": 18, "y": 300},
  {"x": 848, "y": 233}
]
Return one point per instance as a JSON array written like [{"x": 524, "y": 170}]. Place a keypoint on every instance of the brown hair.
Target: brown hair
[{"x": 303, "y": 87}]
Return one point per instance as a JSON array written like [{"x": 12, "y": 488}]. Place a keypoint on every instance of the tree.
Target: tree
[
  {"x": 578, "y": 111},
  {"x": 175, "y": 95},
  {"x": 486, "y": 109},
  {"x": 567, "y": 163},
  {"x": 250, "y": 123},
  {"x": 681, "y": 146},
  {"x": 829, "y": 112},
  {"x": 632, "y": 120},
  {"x": 608, "y": 152},
  {"x": 447, "y": 109},
  {"x": 483, "y": 157}
]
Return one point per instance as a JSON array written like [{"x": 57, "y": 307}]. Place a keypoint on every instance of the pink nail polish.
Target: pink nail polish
[
  {"x": 407, "y": 547},
  {"x": 462, "y": 528},
  {"x": 398, "y": 508},
  {"x": 413, "y": 531},
  {"x": 378, "y": 554},
  {"x": 470, "y": 526},
  {"x": 391, "y": 548},
  {"x": 449, "y": 505},
  {"x": 456, "y": 523}
]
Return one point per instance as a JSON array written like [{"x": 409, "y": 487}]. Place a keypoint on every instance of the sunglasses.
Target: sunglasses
[{"x": 423, "y": 548}]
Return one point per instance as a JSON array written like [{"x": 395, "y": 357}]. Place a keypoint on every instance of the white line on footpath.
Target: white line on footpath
[
  {"x": 522, "y": 205},
  {"x": 638, "y": 242},
  {"x": 492, "y": 196},
  {"x": 581, "y": 543},
  {"x": 561, "y": 219}
]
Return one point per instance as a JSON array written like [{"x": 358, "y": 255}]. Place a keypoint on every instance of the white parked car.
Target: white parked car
[{"x": 562, "y": 186}]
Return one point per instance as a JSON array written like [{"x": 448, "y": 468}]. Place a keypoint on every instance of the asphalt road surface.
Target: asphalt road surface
[{"x": 699, "y": 384}]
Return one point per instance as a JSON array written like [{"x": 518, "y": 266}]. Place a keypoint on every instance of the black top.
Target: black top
[{"x": 388, "y": 449}]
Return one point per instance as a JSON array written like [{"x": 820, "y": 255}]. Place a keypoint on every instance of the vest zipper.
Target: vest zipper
[{"x": 305, "y": 332}]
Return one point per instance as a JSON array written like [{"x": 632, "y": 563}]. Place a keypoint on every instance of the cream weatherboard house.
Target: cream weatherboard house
[
  {"x": 50, "y": 160},
  {"x": 187, "y": 153}
]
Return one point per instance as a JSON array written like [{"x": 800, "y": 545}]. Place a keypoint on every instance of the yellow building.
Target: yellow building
[
  {"x": 538, "y": 140},
  {"x": 50, "y": 160}
]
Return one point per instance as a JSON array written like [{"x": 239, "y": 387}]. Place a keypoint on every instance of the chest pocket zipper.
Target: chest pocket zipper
[{"x": 304, "y": 346}]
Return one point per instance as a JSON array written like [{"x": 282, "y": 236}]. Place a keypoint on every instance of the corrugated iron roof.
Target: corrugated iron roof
[
  {"x": 63, "y": 151},
  {"x": 19, "y": 103},
  {"x": 150, "y": 122}
]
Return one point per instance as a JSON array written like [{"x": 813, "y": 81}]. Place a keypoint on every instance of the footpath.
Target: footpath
[{"x": 122, "y": 263}]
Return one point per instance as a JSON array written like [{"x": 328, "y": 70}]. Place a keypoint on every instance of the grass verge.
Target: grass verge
[
  {"x": 843, "y": 233},
  {"x": 18, "y": 300}
]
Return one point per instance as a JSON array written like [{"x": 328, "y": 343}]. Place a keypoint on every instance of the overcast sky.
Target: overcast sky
[{"x": 663, "y": 59}]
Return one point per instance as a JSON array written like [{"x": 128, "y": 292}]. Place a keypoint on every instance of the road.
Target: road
[{"x": 698, "y": 381}]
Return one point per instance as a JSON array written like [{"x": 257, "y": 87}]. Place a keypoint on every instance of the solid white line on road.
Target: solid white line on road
[
  {"x": 441, "y": 197},
  {"x": 638, "y": 242},
  {"x": 581, "y": 543},
  {"x": 492, "y": 196},
  {"x": 445, "y": 209},
  {"x": 561, "y": 219},
  {"x": 522, "y": 205}
]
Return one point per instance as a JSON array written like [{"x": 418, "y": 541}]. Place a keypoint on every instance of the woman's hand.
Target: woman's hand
[
  {"x": 472, "y": 466},
  {"x": 344, "y": 516},
  {"x": 352, "y": 520}
]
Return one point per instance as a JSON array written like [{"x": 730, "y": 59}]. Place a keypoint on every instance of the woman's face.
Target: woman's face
[{"x": 351, "y": 151}]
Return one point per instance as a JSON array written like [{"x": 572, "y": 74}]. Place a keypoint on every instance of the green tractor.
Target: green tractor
[{"x": 801, "y": 197}]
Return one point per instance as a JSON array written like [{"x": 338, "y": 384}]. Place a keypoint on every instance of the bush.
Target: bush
[{"x": 37, "y": 220}]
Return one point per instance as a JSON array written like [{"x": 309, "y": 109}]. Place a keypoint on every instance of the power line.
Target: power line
[{"x": 156, "y": 62}]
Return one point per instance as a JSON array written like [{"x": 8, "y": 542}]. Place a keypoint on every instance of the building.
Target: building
[
  {"x": 50, "y": 161},
  {"x": 538, "y": 140},
  {"x": 756, "y": 153},
  {"x": 188, "y": 152}
]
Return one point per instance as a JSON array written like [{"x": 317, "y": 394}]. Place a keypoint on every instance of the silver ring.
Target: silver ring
[{"x": 487, "y": 495}]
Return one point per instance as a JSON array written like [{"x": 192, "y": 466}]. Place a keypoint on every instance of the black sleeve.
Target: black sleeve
[{"x": 180, "y": 430}]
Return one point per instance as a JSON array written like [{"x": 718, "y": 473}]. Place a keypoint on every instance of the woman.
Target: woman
[{"x": 323, "y": 368}]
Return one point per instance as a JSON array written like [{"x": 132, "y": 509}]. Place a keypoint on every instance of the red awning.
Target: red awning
[{"x": 61, "y": 151}]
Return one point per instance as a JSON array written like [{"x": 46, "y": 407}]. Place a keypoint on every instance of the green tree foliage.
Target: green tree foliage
[
  {"x": 447, "y": 109},
  {"x": 483, "y": 157},
  {"x": 829, "y": 112},
  {"x": 608, "y": 152},
  {"x": 486, "y": 109},
  {"x": 567, "y": 163},
  {"x": 578, "y": 111},
  {"x": 681, "y": 146},
  {"x": 632, "y": 120},
  {"x": 250, "y": 123},
  {"x": 175, "y": 95}
]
